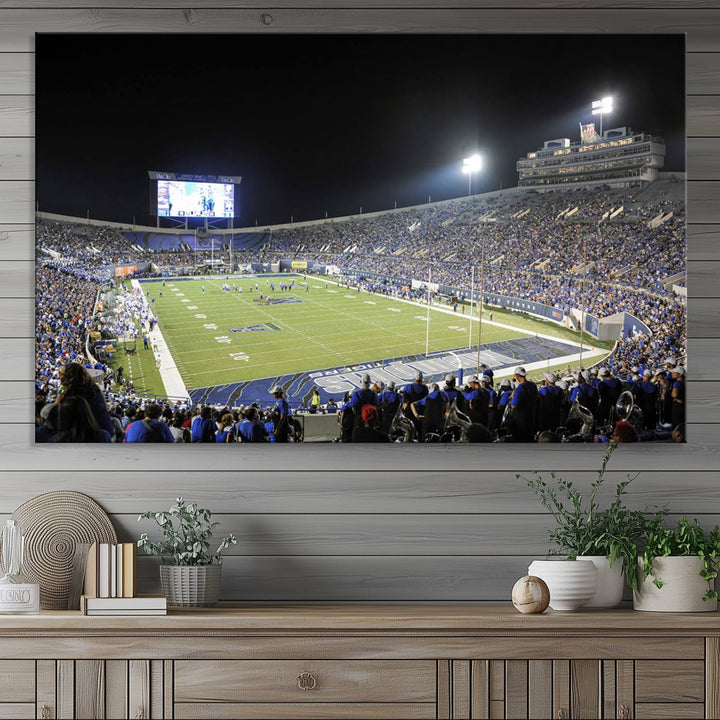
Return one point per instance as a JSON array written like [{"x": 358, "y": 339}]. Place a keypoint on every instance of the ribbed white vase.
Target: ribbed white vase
[
  {"x": 682, "y": 589},
  {"x": 571, "y": 582},
  {"x": 610, "y": 582}
]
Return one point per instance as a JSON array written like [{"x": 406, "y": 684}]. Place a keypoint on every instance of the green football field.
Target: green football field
[{"x": 216, "y": 337}]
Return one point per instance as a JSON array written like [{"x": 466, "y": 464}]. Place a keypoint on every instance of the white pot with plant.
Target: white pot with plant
[
  {"x": 571, "y": 582},
  {"x": 606, "y": 537},
  {"x": 190, "y": 574},
  {"x": 677, "y": 568}
]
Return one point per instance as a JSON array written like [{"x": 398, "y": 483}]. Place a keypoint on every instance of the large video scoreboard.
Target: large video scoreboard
[{"x": 195, "y": 196}]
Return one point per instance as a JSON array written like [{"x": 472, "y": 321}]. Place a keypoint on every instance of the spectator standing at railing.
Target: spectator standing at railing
[
  {"x": 281, "y": 415},
  {"x": 315, "y": 401}
]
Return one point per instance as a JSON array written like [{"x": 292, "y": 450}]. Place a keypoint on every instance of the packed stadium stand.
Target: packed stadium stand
[{"x": 599, "y": 250}]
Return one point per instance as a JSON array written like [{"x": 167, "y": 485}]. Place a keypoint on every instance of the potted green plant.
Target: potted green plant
[
  {"x": 677, "y": 568},
  {"x": 190, "y": 574},
  {"x": 607, "y": 536}
]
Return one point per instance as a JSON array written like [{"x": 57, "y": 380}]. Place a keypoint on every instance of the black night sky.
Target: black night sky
[{"x": 330, "y": 123}]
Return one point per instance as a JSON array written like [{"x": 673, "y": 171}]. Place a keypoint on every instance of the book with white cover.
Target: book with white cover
[
  {"x": 104, "y": 570},
  {"x": 139, "y": 602},
  {"x": 125, "y": 612},
  {"x": 119, "y": 570},
  {"x": 113, "y": 571}
]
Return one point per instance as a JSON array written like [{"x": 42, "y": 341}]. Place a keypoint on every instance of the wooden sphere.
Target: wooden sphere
[{"x": 530, "y": 594}]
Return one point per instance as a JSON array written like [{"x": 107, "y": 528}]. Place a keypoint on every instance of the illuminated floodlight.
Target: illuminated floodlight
[
  {"x": 472, "y": 164},
  {"x": 602, "y": 107}
]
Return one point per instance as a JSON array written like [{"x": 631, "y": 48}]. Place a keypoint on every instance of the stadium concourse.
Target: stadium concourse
[{"x": 577, "y": 252}]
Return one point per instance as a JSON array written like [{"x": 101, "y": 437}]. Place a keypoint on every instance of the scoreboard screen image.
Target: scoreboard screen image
[{"x": 177, "y": 198}]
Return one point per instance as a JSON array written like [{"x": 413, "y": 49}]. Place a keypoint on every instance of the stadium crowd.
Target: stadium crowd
[
  {"x": 560, "y": 248},
  {"x": 595, "y": 405}
]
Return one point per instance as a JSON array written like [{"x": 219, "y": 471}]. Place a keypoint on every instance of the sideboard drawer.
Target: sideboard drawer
[
  {"x": 671, "y": 681},
  {"x": 306, "y": 711},
  {"x": 669, "y": 711},
  {"x": 300, "y": 681}
]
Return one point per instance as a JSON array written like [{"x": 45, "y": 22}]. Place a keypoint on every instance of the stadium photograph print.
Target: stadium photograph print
[{"x": 360, "y": 238}]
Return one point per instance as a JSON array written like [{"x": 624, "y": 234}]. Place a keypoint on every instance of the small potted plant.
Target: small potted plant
[
  {"x": 190, "y": 574},
  {"x": 583, "y": 530},
  {"x": 677, "y": 568}
]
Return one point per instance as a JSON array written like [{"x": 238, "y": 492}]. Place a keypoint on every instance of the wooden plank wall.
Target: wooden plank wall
[{"x": 342, "y": 523}]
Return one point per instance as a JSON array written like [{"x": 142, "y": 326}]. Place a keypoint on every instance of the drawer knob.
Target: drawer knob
[
  {"x": 624, "y": 713},
  {"x": 562, "y": 715},
  {"x": 45, "y": 712},
  {"x": 306, "y": 681}
]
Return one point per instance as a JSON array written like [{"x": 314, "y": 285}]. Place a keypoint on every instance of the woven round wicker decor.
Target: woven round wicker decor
[{"x": 52, "y": 524}]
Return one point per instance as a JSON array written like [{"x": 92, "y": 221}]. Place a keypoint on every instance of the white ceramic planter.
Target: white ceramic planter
[
  {"x": 571, "y": 582},
  {"x": 682, "y": 589},
  {"x": 610, "y": 582}
]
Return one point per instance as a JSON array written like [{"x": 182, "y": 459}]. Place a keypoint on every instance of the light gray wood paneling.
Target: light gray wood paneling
[
  {"x": 703, "y": 115},
  {"x": 16, "y": 70},
  {"x": 392, "y": 6},
  {"x": 365, "y": 579},
  {"x": 703, "y": 358},
  {"x": 703, "y": 280},
  {"x": 17, "y": 200},
  {"x": 703, "y": 402},
  {"x": 17, "y": 26},
  {"x": 703, "y": 242},
  {"x": 703, "y": 73},
  {"x": 702, "y": 318},
  {"x": 466, "y": 534},
  {"x": 703, "y": 206},
  {"x": 703, "y": 157},
  {"x": 395, "y": 493},
  {"x": 17, "y": 158},
  {"x": 341, "y": 523},
  {"x": 700, "y": 454},
  {"x": 16, "y": 242},
  {"x": 17, "y": 116},
  {"x": 17, "y": 280}
]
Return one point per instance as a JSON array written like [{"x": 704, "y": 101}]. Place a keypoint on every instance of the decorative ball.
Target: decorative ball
[{"x": 530, "y": 594}]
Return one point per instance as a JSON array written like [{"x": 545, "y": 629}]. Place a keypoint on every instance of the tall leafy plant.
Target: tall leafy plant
[
  {"x": 186, "y": 529},
  {"x": 687, "y": 539},
  {"x": 583, "y": 527}
]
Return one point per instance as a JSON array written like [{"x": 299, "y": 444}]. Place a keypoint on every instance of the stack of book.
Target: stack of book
[
  {"x": 110, "y": 586},
  {"x": 138, "y": 605}
]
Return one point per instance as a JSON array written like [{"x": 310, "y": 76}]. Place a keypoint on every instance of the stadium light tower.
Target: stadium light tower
[
  {"x": 471, "y": 165},
  {"x": 602, "y": 107}
]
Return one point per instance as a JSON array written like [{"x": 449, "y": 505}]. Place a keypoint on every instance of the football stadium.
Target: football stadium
[
  {"x": 388, "y": 238},
  {"x": 415, "y": 324}
]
